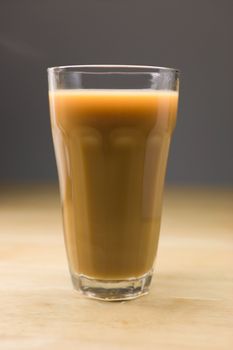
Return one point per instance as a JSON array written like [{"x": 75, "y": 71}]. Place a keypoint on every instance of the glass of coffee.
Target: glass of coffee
[{"x": 112, "y": 127}]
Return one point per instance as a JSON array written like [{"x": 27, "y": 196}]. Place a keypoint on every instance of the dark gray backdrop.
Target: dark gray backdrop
[{"x": 194, "y": 36}]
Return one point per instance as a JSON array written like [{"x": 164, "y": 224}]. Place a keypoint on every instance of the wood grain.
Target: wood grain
[{"x": 191, "y": 301}]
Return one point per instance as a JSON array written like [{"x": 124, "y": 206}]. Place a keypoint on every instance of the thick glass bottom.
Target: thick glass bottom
[{"x": 114, "y": 290}]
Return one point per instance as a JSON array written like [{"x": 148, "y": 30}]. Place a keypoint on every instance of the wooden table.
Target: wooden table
[{"x": 191, "y": 301}]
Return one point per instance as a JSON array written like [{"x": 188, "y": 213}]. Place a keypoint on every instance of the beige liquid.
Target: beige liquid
[{"x": 111, "y": 149}]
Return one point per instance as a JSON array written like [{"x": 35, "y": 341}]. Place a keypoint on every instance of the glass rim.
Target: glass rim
[{"x": 113, "y": 69}]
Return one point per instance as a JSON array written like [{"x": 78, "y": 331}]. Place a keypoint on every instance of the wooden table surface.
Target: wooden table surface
[{"x": 190, "y": 305}]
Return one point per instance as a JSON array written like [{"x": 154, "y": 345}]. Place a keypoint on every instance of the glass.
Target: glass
[{"x": 112, "y": 127}]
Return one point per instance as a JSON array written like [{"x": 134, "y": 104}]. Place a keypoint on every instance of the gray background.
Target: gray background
[{"x": 194, "y": 36}]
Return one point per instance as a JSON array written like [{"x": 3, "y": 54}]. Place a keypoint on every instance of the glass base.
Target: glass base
[{"x": 114, "y": 290}]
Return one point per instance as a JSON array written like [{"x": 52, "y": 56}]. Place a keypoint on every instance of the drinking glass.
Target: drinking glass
[{"x": 111, "y": 127}]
